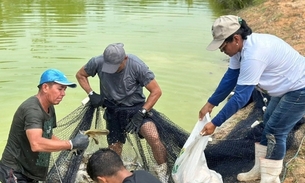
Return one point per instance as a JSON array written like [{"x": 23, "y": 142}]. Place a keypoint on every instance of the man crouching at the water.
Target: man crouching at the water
[
  {"x": 31, "y": 140},
  {"x": 105, "y": 165}
]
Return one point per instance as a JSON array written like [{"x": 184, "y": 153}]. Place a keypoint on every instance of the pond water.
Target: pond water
[{"x": 169, "y": 36}]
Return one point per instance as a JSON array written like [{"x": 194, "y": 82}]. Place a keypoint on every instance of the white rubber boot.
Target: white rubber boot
[
  {"x": 161, "y": 171},
  {"x": 254, "y": 173},
  {"x": 270, "y": 170}
]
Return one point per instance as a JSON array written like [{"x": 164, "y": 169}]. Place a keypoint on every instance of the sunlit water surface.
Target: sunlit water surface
[{"x": 169, "y": 36}]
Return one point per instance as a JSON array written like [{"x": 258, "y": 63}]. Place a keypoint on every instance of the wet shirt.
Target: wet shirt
[
  {"x": 141, "y": 176},
  {"x": 17, "y": 153},
  {"x": 126, "y": 86}
]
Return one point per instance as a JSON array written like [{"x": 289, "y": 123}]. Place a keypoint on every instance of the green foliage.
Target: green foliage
[{"x": 232, "y": 5}]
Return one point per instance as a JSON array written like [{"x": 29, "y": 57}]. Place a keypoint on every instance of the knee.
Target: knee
[{"x": 154, "y": 138}]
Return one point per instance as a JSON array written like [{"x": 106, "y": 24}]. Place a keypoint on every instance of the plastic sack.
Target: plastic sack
[{"x": 191, "y": 165}]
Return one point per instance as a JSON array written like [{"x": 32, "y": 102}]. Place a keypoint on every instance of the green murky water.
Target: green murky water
[{"x": 170, "y": 36}]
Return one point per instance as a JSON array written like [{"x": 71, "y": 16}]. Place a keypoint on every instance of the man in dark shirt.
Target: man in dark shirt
[
  {"x": 31, "y": 139},
  {"x": 105, "y": 165},
  {"x": 122, "y": 78}
]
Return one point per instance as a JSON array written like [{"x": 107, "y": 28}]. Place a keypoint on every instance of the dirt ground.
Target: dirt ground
[{"x": 285, "y": 19}]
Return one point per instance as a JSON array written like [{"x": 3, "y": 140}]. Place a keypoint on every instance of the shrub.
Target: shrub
[{"x": 232, "y": 5}]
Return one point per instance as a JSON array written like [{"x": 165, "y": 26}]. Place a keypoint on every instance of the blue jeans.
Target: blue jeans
[{"x": 280, "y": 117}]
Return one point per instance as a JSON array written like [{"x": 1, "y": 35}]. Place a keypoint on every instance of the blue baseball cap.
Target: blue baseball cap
[{"x": 56, "y": 76}]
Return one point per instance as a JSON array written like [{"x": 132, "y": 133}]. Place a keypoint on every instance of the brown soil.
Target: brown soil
[{"x": 285, "y": 19}]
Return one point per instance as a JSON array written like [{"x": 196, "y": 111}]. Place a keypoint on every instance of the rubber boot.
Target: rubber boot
[
  {"x": 161, "y": 171},
  {"x": 270, "y": 170},
  {"x": 254, "y": 173}
]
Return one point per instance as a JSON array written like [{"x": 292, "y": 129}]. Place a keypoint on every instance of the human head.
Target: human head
[
  {"x": 225, "y": 27},
  {"x": 104, "y": 162},
  {"x": 55, "y": 76},
  {"x": 114, "y": 55}
]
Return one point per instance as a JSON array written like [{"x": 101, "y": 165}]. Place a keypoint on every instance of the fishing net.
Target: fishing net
[
  {"x": 70, "y": 166},
  {"x": 230, "y": 152},
  {"x": 64, "y": 165}
]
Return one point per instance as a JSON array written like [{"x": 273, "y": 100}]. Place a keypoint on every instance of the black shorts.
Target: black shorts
[
  {"x": 117, "y": 119},
  {"x": 8, "y": 175}
]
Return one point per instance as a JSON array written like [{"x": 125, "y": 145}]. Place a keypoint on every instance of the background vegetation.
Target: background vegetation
[{"x": 232, "y": 5}]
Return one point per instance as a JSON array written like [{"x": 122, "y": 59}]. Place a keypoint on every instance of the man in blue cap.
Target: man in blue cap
[{"x": 31, "y": 140}]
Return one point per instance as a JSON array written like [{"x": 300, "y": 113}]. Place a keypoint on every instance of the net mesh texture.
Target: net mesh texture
[
  {"x": 70, "y": 166},
  {"x": 229, "y": 155}
]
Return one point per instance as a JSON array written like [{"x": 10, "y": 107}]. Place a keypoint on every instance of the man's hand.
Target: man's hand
[
  {"x": 208, "y": 129},
  {"x": 80, "y": 142},
  {"x": 207, "y": 108},
  {"x": 96, "y": 100},
  {"x": 135, "y": 123}
]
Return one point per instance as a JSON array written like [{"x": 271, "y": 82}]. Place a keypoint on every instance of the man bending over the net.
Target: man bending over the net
[
  {"x": 27, "y": 152},
  {"x": 122, "y": 78},
  {"x": 105, "y": 165}
]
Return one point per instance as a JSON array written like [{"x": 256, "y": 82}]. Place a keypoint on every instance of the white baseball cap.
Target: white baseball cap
[{"x": 223, "y": 27}]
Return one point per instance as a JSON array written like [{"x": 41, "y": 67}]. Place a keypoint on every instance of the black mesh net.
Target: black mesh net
[
  {"x": 64, "y": 165},
  {"x": 70, "y": 167},
  {"x": 229, "y": 155},
  {"x": 233, "y": 153}
]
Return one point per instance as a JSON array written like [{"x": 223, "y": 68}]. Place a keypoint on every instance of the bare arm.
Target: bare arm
[
  {"x": 82, "y": 78},
  {"x": 54, "y": 137},
  {"x": 41, "y": 144},
  {"x": 155, "y": 94}
]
